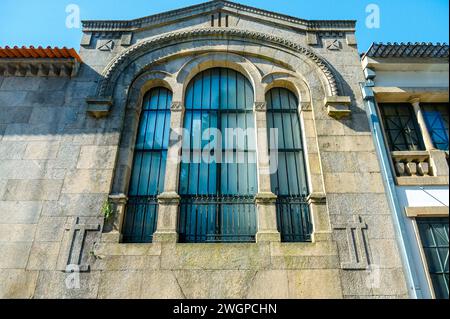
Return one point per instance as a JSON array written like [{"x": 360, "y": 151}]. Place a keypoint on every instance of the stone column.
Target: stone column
[
  {"x": 169, "y": 201},
  {"x": 112, "y": 229},
  {"x": 429, "y": 145},
  {"x": 265, "y": 200}
]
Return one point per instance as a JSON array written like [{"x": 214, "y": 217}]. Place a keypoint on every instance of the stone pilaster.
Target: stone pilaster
[
  {"x": 113, "y": 227},
  {"x": 319, "y": 214},
  {"x": 267, "y": 218},
  {"x": 265, "y": 200},
  {"x": 169, "y": 201},
  {"x": 166, "y": 229}
]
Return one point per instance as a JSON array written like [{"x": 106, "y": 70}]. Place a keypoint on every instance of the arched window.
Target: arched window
[
  {"x": 218, "y": 179},
  {"x": 147, "y": 177},
  {"x": 289, "y": 182}
]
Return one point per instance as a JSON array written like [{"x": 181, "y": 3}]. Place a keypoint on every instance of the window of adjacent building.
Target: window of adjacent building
[
  {"x": 436, "y": 117},
  {"x": 289, "y": 181},
  {"x": 217, "y": 187},
  {"x": 148, "y": 171},
  {"x": 401, "y": 127},
  {"x": 434, "y": 236}
]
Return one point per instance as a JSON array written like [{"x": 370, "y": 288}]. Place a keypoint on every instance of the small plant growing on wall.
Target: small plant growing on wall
[{"x": 107, "y": 210}]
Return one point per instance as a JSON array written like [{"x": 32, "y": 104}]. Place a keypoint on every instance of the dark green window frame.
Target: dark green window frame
[
  {"x": 217, "y": 199},
  {"x": 149, "y": 167},
  {"x": 434, "y": 234},
  {"x": 401, "y": 127},
  {"x": 289, "y": 182}
]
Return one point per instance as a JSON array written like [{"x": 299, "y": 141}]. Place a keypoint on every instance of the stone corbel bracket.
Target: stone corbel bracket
[
  {"x": 98, "y": 106},
  {"x": 338, "y": 107}
]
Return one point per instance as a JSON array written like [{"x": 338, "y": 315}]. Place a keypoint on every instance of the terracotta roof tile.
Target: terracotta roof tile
[{"x": 39, "y": 53}]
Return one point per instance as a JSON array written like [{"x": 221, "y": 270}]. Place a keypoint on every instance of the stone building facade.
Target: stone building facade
[
  {"x": 407, "y": 97},
  {"x": 68, "y": 128}
]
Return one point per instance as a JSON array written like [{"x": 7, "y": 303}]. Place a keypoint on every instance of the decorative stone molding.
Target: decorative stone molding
[
  {"x": 113, "y": 68},
  {"x": 108, "y": 46},
  {"x": 333, "y": 45},
  {"x": 260, "y": 107},
  {"x": 356, "y": 245},
  {"x": 427, "y": 212},
  {"x": 126, "y": 39},
  {"x": 338, "y": 107},
  {"x": 99, "y": 107},
  {"x": 311, "y": 38},
  {"x": 76, "y": 246},
  {"x": 38, "y": 67},
  {"x": 167, "y": 17},
  {"x": 86, "y": 39},
  {"x": 176, "y": 107}
]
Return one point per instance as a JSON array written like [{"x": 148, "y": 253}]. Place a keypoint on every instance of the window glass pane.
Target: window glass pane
[
  {"x": 149, "y": 163},
  {"x": 434, "y": 237},
  {"x": 401, "y": 128},
  {"x": 437, "y": 118},
  {"x": 210, "y": 217},
  {"x": 289, "y": 182}
]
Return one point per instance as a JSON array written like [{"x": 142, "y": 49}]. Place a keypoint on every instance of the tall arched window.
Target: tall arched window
[
  {"x": 218, "y": 184},
  {"x": 289, "y": 182},
  {"x": 147, "y": 177}
]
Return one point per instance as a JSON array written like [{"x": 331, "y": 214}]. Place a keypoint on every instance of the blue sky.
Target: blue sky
[{"x": 31, "y": 22}]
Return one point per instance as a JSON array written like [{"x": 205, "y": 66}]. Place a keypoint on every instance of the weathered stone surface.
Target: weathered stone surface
[
  {"x": 41, "y": 150},
  {"x": 120, "y": 284},
  {"x": 43, "y": 256},
  {"x": 32, "y": 190},
  {"x": 75, "y": 205},
  {"x": 314, "y": 284},
  {"x": 50, "y": 229},
  {"x": 87, "y": 181},
  {"x": 12, "y": 150},
  {"x": 161, "y": 285},
  {"x": 53, "y": 285},
  {"x": 20, "y": 212},
  {"x": 97, "y": 157},
  {"x": 16, "y": 233},
  {"x": 215, "y": 284},
  {"x": 269, "y": 284},
  {"x": 14, "y": 255},
  {"x": 225, "y": 256},
  {"x": 17, "y": 284}
]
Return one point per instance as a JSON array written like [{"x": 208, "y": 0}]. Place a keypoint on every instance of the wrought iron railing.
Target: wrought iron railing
[
  {"x": 140, "y": 219},
  {"x": 293, "y": 218},
  {"x": 212, "y": 219}
]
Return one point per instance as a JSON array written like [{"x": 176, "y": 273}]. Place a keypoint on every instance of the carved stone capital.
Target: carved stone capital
[
  {"x": 176, "y": 107},
  {"x": 260, "y": 106},
  {"x": 169, "y": 199},
  {"x": 118, "y": 199},
  {"x": 317, "y": 198},
  {"x": 265, "y": 198}
]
